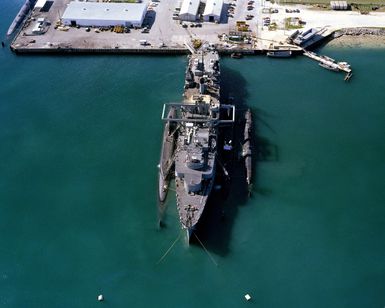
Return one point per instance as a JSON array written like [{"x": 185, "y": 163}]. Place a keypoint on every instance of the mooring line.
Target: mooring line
[
  {"x": 212, "y": 259},
  {"x": 168, "y": 250}
]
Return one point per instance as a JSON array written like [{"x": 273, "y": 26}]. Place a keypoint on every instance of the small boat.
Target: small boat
[
  {"x": 236, "y": 55},
  {"x": 328, "y": 58},
  {"x": 279, "y": 54},
  {"x": 344, "y": 65},
  {"x": 333, "y": 68}
]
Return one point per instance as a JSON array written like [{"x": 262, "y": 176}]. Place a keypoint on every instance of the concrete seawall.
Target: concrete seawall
[
  {"x": 60, "y": 50},
  {"x": 138, "y": 51}
]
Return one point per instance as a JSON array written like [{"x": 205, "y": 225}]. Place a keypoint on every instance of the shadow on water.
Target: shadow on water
[
  {"x": 216, "y": 224},
  {"x": 230, "y": 192}
]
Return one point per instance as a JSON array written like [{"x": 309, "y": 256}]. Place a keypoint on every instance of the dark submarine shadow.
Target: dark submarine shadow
[{"x": 214, "y": 229}]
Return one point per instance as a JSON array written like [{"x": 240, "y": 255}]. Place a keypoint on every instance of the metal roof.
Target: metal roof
[
  {"x": 104, "y": 11},
  {"x": 189, "y": 7},
  {"x": 339, "y": 4},
  {"x": 213, "y": 7},
  {"x": 40, "y": 3}
]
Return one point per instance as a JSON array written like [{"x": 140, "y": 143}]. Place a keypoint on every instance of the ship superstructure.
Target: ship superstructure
[{"x": 197, "y": 120}]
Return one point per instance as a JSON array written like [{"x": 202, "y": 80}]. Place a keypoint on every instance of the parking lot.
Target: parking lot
[{"x": 163, "y": 31}]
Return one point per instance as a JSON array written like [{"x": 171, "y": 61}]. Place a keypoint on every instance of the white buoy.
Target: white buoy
[
  {"x": 100, "y": 298},
  {"x": 248, "y": 297}
]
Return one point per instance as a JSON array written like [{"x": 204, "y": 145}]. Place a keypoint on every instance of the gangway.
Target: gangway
[{"x": 189, "y": 47}]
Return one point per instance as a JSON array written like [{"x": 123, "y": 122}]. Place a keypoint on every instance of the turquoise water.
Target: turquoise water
[{"x": 80, "y": 141}]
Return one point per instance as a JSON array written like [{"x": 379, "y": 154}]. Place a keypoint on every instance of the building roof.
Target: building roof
[
  {"x": 213, "y": 7},
  {"x": 104, "y": 11},
  {"x": 40, "y": 3},
  {"x": 342, "y": 4},
  {"x": 189, "y": 7}
]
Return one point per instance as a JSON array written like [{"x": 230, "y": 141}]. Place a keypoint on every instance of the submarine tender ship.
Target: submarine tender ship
[{"x": 196, "y": 126}]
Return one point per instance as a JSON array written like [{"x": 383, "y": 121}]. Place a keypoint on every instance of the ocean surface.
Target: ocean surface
[{"x": 80, "y": 138}]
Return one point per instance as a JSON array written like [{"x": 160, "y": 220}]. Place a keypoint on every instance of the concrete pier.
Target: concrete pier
[
  {"x": 330, "y": 63},
  {"x": 165, "y": 35}
]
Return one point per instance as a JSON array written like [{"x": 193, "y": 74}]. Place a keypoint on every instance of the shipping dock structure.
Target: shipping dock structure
[
  {"x": 162, "y": 27},
  {"x": 331, "y": 64}
]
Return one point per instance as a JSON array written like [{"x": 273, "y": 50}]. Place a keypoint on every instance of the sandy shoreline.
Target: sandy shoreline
[{"x": 364, "y": 41}]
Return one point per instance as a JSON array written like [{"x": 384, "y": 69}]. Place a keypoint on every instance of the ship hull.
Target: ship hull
[
  {"x": 24, "y": 11},
  {"x": 328, "y": 67},
  {"x": 166, "y": 158},
  {"x": 163, "y": 188},
  {"x": 197, "y": 119},
  {"x": 279, "y": 54},
  {"x": 190, "y": 234}
]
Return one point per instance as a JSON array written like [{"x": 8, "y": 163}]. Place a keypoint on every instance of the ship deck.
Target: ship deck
[{"x": 190, "y": 206}]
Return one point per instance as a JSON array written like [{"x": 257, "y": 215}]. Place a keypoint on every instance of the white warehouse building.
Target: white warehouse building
[
  {"x": 104, "y": 14},
  {"x": 189, "y": 10},
  {"x": 213, "y": 10}
]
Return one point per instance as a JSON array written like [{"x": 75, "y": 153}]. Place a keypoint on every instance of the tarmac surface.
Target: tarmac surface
[
  {"x": 164, "y": 31},
  {"x": 169, "y": 35}
]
